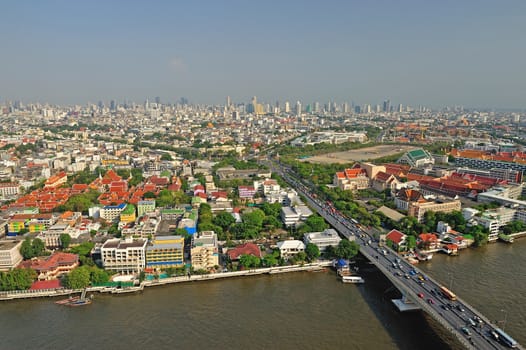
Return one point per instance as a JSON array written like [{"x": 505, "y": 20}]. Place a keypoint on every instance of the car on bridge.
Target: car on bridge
[
  {"x": 465, "y": 330},
  {"x": 421, "y": 295}
]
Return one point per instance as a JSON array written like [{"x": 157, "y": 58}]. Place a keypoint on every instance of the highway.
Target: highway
[{"x": 471, "y": 327}]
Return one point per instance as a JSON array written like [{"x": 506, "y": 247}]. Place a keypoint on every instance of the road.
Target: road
[{"x": 466, "y": 323}]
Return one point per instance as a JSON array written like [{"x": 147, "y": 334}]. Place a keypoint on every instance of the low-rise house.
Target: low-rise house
[
  {"x": 244, "y": 249},
  {"x": 289, "y": 248},
  {"x": 53, "y": 266},
  {"x": 397, "y": 239},
  {"x": 322, "y": 240}
]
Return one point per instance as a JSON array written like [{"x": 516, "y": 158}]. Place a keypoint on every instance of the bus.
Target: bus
[
  {"x": 449, "y": 294},
  {"x": 505, "y": 338}
]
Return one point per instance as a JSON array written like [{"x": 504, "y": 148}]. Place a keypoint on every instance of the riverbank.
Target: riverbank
[{"x": 27, "y": 294}]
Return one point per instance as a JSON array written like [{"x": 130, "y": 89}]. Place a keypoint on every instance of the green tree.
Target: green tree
[
  {"x": 78, "y": 278},
  {"x": 65, "y": 240},
  {"x": 272, "y": 259},
  {"x": 346, "y": 249},
  {"x": 254, "y": 218},
  {"x": 249, "y": 260},
  {"x": 26, "y": 250},
  {"x": 98, "y": 276},
  {"x": 411, "y": 242},
  {"x": 312, "y": 251},
  {"x": 316, "y": 223},
  {"x": 224, "y": 219},
  {"x": 83, "y": 249},
  {"x": 166, "y": 156}
]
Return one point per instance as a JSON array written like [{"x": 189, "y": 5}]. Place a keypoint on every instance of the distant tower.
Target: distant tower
[
  {"x": 228, "y": 102},
  {"x": 287, "y": 107},
  {"x": 298, "y": 108},
  {"x": 158, "y": 100},
  {"x": 387, "y": 106}
]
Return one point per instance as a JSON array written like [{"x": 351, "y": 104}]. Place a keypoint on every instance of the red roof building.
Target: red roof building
[
  {"x": 43, "y": 285},
  {"x": 244, "y": 249},
  {"x": 55, "y": 265}
]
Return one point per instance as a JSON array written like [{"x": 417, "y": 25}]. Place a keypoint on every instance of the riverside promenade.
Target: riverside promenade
[{"x": 27, "y": 294}]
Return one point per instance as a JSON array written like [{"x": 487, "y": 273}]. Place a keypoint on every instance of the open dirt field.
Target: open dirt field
[{"x": 359, "y": 155}]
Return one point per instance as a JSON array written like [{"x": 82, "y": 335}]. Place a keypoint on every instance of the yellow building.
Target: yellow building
[
  {"x": 164, "y": 252},
  {"x": 128, "y": 214}
]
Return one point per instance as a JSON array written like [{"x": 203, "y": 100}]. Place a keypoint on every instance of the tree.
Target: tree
[
  {"x": 254, "y": 218},
  {"x": 17, "y": 279},
  {"x": 65, "y": 240},
  {"x": 83, "y": 249},
  {"x": 410, "y": 242},
  {"x": 26, "y": 250},
  {"x": 78, "y": 278},
  {"x": 312, "y": 251},
  {"x": 249, "y": 260},
  {"x": 224, "y": 219},
  {"x": 270, "y": 260},
  {"x": 98, "y": 276},
  {"x": 30, "y": 249},
  {"x": 316, "y": 223},
  {"x": 346, "y": 249},
  {"x": 166, "y": 156}
]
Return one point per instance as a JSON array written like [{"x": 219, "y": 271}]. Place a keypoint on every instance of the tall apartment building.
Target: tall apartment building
[
  {"x": 204, "y": 250},
  {"x": 165, "y": 252},
  {"x": 112, "y": 212},
  {"x": 10, "y": 255},
  {"x": 124, "y": 256}
]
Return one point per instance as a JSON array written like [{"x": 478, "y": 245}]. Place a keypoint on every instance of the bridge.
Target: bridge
[{"x": 467, "y": 324}]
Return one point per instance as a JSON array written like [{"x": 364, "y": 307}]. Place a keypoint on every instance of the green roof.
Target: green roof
[
  {"x": 417, "y": 154},
  {"x": 130, "y": 209}
]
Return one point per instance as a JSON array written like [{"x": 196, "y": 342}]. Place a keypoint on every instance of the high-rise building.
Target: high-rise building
[
  {"x": 287, "y": 107},
  {"x": 387, "y": 106},
  {"x": 298, "y": 108},
  {"x": 228, "y": 102},
  {"x": 158, "y": 100}
]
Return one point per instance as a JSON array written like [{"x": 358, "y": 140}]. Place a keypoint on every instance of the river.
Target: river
[{"x": 289, "y": 311}]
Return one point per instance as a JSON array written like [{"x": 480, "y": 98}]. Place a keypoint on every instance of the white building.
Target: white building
[
  {"x": 112, "y": 212},
  {"x": 204, "y": 252},
  {"x": 289, "y": 216},
  {"x": 10, "y": 255},
  {"x": 124, "y": 256},
  {"x": 288, "y": 249},
  {"x": 322, "y": 239}
]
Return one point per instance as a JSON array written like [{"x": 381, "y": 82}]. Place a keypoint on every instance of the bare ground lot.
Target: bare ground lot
[{"x": 359, "y": 155}]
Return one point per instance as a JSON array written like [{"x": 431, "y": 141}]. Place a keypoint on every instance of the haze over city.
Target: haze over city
[{"x": 466, "y": 53}]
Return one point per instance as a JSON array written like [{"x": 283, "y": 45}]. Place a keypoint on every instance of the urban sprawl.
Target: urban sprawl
[{"x": 117, "y": 195}]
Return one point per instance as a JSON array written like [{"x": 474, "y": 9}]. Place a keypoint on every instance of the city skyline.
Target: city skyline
[{"x": 411, "y": 53}]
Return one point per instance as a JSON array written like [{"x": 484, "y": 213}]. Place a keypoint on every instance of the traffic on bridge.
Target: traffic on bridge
[{"x": 467, "y": 324}]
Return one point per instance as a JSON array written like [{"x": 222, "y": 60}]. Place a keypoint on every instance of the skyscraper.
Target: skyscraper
[
  {"x": 387, "y": 106},
  {"x": 298, "y": 108}
]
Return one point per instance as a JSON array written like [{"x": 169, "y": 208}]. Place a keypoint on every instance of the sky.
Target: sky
[{"x": 434, "y": 53}]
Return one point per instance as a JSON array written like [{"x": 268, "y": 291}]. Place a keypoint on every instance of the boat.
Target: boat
[
  {"x": 79, "y": 302},
  {"x": 67, "y": 301},
  {"x": 75, "y": 301},
  {"x": 352, "y": 279}
]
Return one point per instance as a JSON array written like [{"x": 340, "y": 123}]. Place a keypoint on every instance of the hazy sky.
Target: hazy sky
[{"x": 436, "y": 53}]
